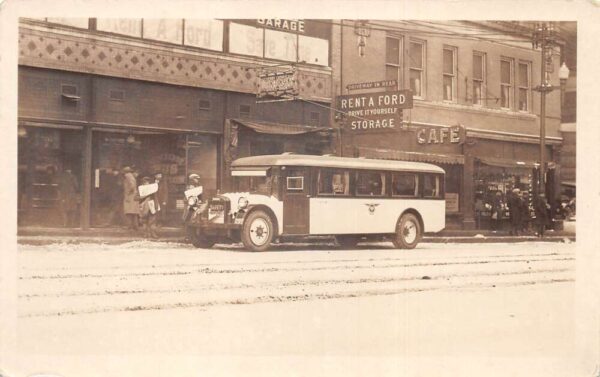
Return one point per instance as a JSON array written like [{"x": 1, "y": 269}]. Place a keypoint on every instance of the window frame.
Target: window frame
[
  {"x": 440, "y": 186},
  {"x": 347, "y": 174},
  {"x": 294, "y": 189},
  {"x": 453, "y": 75},
  {"x": 383, "y": 184},
  {"x": 396, "y": 66},
  {"x": 510, "y": 85},
  {"x": 416, "y": 175},
  {"x": 422, "y": 70},
  {"x": 527, "y": 88},
  {"x": 481, "y": 81}
]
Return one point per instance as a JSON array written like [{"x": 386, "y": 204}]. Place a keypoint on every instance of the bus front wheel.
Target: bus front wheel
[
  {"x": 408, "y": 232},
  {"x": 257, "y": 231}
]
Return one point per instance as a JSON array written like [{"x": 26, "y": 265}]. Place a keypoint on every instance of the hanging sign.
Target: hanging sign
[
  {"x": 274, "y": 83},
  {"x": 371, "y": 111}
]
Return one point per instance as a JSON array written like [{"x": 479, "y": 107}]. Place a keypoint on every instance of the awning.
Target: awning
[
  {"x": 392, "y": 154},
  {"x": 507, "y": 163},
  {"x": 279, "y": 128}
]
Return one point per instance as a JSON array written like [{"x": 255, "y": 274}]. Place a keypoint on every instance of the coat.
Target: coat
[
  {"x": 162, "y": 196},
  {"x": 130, "y": 195},
  {"x": 541, "y": 211},
  {"x": 515, "y": 207}
]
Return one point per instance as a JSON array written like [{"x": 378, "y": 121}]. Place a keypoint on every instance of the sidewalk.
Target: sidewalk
[{"x": 43, "y": 236}]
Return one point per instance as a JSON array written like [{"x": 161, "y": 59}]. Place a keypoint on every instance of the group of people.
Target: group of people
[
  {"x": 517, "y": 204},
  {"x": 143, "y": 211}
]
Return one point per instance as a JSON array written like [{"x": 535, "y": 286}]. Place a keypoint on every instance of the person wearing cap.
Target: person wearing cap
[
  {"x": 162, "y": 196},
  {"x": 541, "y": 207},
  {"x": 515, "y": 208},
  {"x": 148, "y": 211},
  {"x": 193, "y": 181},
  {"x": 131, "y": 207}
]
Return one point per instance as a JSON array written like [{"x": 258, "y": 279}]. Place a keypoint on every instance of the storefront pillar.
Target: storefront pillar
[
  {"x": 86, "y": 170},
  {"x": 468, "y": 199}
]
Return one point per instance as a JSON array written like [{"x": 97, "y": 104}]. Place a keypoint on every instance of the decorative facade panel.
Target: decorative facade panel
[{"x": 48, "y": 49}]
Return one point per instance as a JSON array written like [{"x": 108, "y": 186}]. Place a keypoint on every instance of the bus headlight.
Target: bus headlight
[
  {"x": 192, "y": 200},
  {"x": 242, "y": 203}
]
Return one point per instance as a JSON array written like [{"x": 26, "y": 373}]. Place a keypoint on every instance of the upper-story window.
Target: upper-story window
[
  {"x": 478, "y": 78},
  {"x": 72, "y": 21},
  {"x": 206, "y": 34},
  {"x": 449, "y": 73},
  {"x": 124, "y": 26},
  {"x": 393, "y": 59},
  {"x": 416, "y": 65},
  {"x": 164, "y": 29},
  {"x": 524, "y": 83},
  {"x": 506, "y": 82}
]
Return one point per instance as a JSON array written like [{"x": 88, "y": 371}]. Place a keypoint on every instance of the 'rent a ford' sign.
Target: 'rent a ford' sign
[{"x": 372, "y": 111}]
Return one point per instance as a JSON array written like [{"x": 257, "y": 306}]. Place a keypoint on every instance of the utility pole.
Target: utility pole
[{"x": 544, "y": 37}]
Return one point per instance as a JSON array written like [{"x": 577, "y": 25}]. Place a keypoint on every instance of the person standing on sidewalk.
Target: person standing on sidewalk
[
  {"x": 162, "y": 196},
  {"x": 149, "y": 209},
  {"x": 497, "y": 211},
  {"x": 541, "y": 208},
  {"x": 131, "y": 207},
  {"x": 515, "y": 208},
  {"x": 68, "y": 196}
]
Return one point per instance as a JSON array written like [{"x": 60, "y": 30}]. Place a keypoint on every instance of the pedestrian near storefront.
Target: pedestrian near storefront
[
  {"x": 131, "y": 207},
  {"x": 525, "y": 213},
  {"x": 162, "y": 196},
  {"x": 542, "y": 219},
  {"x": 515, "y": 208},
  {"x": 149, "y": 209},
  {"x": 68, "y": 197},
  {"x": 114, "y": 189},
  {"x": 497, "y": 211},
  {"x": 479, "y": 210}
]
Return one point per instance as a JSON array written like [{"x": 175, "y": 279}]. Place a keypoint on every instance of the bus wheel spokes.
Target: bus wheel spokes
[{"x": 408, "y": 232}]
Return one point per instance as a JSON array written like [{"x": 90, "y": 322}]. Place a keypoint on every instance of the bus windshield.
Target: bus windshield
[{"x": 255, "y": 185}]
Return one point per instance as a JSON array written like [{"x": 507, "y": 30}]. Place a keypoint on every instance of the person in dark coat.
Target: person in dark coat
[
  {"x": 541, "y": 208},
  {"x": 497, "y": 211},
  {"x": 525, "y": 213},
  {"x": 131, "y": 207},
  {"x": 162, "y": 196},
  {"x": 515, "y": 208},
  {"x": 68, "y": 197}
]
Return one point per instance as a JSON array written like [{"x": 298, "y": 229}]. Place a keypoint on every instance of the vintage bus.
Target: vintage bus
[{"x": 287, "y": 196}]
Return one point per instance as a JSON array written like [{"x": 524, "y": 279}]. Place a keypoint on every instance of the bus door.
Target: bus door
[{"x": 296, "y": 196}]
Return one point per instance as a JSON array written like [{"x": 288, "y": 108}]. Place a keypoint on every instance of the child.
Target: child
[{"x": 148, "y": 209}]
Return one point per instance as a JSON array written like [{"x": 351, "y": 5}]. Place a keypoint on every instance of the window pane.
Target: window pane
[
  {"x": 416, "y": 55},
  {"x": 333, "y": 182},
  {"x": 166, "y": 30},
  {"x": 392, "y": 51},
  {"x": 280, "y": 45},
  {"x": 523, "y": 75},
  {"x": 448, "y": 84},
  {"x": 246, "y": 40},
  {"x": 370, "y": 183},
  {"x": 391, "y": 73},
  {"x": 449, "y": 61},
  {"x": 313, "y": 50},
  {"x": 505, "y": 72},
  {"x": 523, "y": 100},
  {"x": 415, "y": 82},
  {"x": 125, "y": 26},
  {"x": 76, "y": 22},
  {"x": 204, "y": 33},
  {"x": 477, "y": 67},
  {"x": 477, "y": 92},
  {"x": 295, "y": 183},
  {"x": 431, "y": 186},
  {"x": 404, "y": 184},
  {"x": 505, "y": 96}
]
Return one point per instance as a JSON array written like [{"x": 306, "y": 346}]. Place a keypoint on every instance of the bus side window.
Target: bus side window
[
  {"x": 431, "y": 186},
  {"x": 333, "y": 182}
]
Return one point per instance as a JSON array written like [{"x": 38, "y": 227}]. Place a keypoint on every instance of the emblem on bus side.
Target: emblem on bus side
[{"x": 372, "y": 207}]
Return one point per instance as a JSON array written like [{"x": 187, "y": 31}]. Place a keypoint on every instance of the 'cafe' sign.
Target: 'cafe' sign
[{"x": 440, "y": 135}]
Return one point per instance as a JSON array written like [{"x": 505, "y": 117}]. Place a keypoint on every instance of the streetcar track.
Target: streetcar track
[
  {"x": 280, "y": 284},
  {"x": 287, "y": 298},
  {"x": 208, "y": 270}
]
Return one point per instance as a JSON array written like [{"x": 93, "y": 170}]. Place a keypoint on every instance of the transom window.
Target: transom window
[
  {"x": 524, "y": 85},
  {"x": 417, "y": 67},
  {"x": 506, "y": 83},
  {"x": 405, "y": 184},
  {"x": 449, "y": 73},
  {"x": 334, "y": 182},
  {"x": 370, "y": 183},
  {"x": 478, "y": 77}
]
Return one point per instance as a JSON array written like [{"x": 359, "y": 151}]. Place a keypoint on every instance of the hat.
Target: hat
[
  {"x": 516, "y": 190},
  {"x": 194, "y": 176},
  {"x": 146, "y": 179},
  {"x": 126, "y": 169},
  {"x": 158, "y": 175}
]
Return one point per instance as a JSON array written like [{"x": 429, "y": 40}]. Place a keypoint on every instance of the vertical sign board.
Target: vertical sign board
[{"x": 375, "y": 111}]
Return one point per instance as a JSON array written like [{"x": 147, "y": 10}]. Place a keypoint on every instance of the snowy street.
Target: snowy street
[{"x": 186, "y": 309}]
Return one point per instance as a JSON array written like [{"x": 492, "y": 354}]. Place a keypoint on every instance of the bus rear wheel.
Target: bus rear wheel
[
  {"x": 199, "y": 239},
  {"x": 258, "y": 231},
  {"x": 408, "y": 232}
]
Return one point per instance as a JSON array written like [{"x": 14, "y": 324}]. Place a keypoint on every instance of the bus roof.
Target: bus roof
[{"x": 334, "y": 162}]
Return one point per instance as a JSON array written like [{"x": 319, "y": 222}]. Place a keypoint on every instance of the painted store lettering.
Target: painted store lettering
[
  {"x": 438, "y": 135},
  {"x": 371, "y": 124},
  {"x": 292, "y": 25}
]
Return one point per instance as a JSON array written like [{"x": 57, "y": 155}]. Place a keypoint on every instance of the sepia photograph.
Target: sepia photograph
[{"x": 329, "y": 195}]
